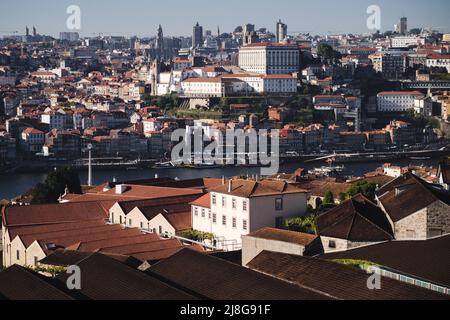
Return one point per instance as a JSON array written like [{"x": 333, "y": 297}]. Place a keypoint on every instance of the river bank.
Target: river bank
[{"x": 15, "y": 184}]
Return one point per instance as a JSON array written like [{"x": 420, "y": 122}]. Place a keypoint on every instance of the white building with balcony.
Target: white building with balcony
[{"x": 240, "y": 207}]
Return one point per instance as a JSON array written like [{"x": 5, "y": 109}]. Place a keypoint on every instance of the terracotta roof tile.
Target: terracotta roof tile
[
  {"x": 133, "y": 249},
  {"x": 204, "y": 201},
  {"x": 284, "y": 236},
  {"x": 432, "y": 265},
  {"x": 357, "y": 219},
  {"x": 105, "y": 278},
  {"x": 53, "y": 213},
  {"x": 18, "y": 283},
  {"x": 335, "y": 280},
  {"x": 250, "y": 189},
  {"x": 407, "y": 195},
  {"x": 217, "y": 279},
  {"x": 95, "y": 245}
]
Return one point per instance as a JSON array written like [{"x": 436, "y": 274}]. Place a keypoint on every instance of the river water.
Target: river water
[{"x": 13, "y": 185}]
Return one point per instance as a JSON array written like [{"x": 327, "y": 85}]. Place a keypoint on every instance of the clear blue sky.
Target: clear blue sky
[{"x": 141, "y": 17}]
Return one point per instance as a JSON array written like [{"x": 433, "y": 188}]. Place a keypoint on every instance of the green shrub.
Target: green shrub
[
  {"x": 196, "y": 235},
  {"x": 303, "y": 224}
]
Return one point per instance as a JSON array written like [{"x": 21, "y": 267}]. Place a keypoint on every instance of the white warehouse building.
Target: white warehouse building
[
  {"x": 397, "y": 101},
  {"x": 239, "y": 84},
  {"x": 266, "y": 58}
]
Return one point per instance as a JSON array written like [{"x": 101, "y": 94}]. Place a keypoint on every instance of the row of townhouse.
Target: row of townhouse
[
  {"x": 168, "y": 215},
  {"x": 127, "y": 91},
  {"x": 81, "y": 119},
  {"x": 116, "y": 217},
  {"x": 315, "y": 137},
  {"x": 71, "y": 144}
]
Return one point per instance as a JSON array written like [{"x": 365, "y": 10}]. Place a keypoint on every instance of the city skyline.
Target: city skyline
[{"x": 300, "y": 16}]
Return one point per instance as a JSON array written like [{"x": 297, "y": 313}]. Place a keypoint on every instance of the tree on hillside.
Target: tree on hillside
[
  {"x": 363, "y": 187},
  {"x": 329, "y": 198},
  {"x": 327, "y": 53},
  {"x": 55, "y": 185},
  {"x": 343, "y": 197}
]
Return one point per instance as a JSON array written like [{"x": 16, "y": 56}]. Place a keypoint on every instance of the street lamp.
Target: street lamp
[{"x": 89, "y": 147}]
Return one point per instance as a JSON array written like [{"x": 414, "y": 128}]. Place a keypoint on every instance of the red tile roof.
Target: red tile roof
[
  {"x": 204, "y": 80},
  {"x": 180, "y": 221},
  {"x": 439, "y": 56},
  {"x": 68, "y": 236},
  {"x": 138, "y": 248},
  {"x": 134, "y": 192},
  {"x": 357, "y": 219},
  {"x": 256, "y": 45},
  {"x": 96, "y": 245},
  {"x": 399, "y": 93},
  {"x": 53, "y": 213},
  {"x": 303, "y": 239},
  {"x": 204, "y": 202},
  {"x": 278, "y": 76},
  {"x": 46, "y": 228},
  {"x": 250, "y": 189},
  {"x": 32, "y": 131}
]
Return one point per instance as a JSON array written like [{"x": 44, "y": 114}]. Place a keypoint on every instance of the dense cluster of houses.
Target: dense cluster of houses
[{"x": 141, "y": 223}]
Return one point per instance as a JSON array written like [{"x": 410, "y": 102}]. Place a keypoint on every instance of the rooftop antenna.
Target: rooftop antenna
[{"x": 90, "y": 165}]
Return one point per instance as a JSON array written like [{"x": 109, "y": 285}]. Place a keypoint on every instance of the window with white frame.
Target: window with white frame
[
  {"x": 214, "y": 199},
  {"x": 224, "y": 202},
  {"x": 214, "y": 218},
  {"x": 224, "y": 220},
  {"x": 244, "y": 205},
  {"x": 234, "y": 204},
  {"x": 196, "y": 211},
  {"x": 203, "y": 213}
]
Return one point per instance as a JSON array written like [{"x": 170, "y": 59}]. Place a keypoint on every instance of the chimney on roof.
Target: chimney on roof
[
  {"x": 230, "y": 185},
  {"x": 399, "y": 190},
  {"x": 121, "y": 188}
]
